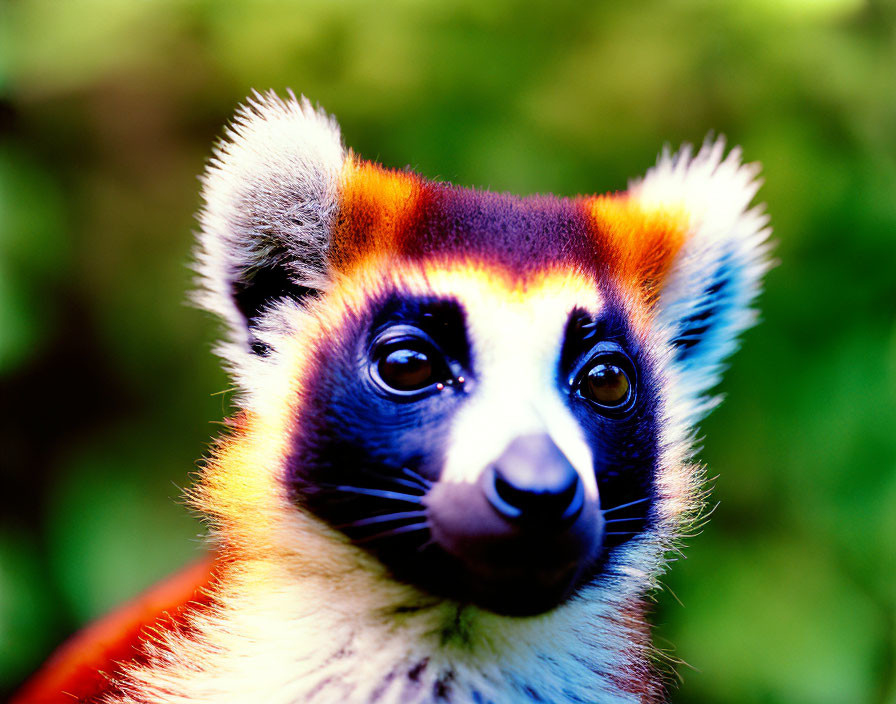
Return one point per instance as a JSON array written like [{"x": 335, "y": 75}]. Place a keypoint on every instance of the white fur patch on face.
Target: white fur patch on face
[{"x": 516, "y": 339}]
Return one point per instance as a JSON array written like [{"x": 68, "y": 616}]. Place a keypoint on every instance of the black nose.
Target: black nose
[{"x": 533, "y": 481}]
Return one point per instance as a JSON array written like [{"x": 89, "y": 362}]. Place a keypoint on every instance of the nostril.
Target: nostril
[
  {"x": 501, "y": 495},
  {"x": 533, "y": 481},
  {"x": 551, "y": 497}
]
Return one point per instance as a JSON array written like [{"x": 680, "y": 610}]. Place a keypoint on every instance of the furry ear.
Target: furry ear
[
  {"x": 705, "y": 299},
  {"x": 271, "y": 192}
]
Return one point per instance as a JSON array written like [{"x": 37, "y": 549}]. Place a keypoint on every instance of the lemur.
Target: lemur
[{"x": 464, "y": 447}]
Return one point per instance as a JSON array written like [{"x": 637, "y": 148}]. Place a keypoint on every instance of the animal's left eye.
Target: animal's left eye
[
  {"x": 406, "y": 369},
  {"x": 608, "y": 382},
  {"x": 404, "y": 361}
]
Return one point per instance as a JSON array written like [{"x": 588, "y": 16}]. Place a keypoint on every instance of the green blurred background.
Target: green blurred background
[{"x": 110, "y": 392}]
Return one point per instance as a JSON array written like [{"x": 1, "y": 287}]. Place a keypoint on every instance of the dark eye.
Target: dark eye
[
  {"x": 609, "y": 383},
  {"x": 406, "y": 368},
  {"x": 406, "y": 363}
]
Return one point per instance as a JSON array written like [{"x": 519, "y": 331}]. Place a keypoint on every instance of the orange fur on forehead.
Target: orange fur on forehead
[
  {"x": 376, "y": 205},
  {"x": 639, "y": 244},
  {"x": 392, "y": 215}
]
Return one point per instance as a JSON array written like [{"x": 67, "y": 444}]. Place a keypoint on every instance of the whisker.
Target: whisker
[
  {"x": 383, "y": 518},
  {"x": 630, "y": 503},
  {"x": 622, "y": 520},
  {"x": 413, "y": 486},
  {"x": 379, "y": 493},
  {"x": 410, "y": 483},
  {"x": 410, "y": 528},
  {"x": 421, "y": 480}
]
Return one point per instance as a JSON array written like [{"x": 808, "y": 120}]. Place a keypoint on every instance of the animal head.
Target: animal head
[{"x": 453, "y": 395}]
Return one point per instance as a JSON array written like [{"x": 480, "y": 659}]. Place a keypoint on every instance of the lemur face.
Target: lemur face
[
  {"x": 492, "y": 396},
  {"x": 472, "y": 433}
]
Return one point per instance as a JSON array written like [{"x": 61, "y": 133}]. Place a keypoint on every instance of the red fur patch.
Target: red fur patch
[{"x": 83, "y": 667}]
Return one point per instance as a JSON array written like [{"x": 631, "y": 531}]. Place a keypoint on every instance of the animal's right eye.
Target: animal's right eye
[
  {"x": 607, "y": 385},
  {"x": 405, "y": 362},
  {"x": 607, "y": 380}
]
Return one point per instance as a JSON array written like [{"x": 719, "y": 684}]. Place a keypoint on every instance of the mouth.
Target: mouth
[
  {"x": 520, "y": 540},
  {"x": 511, "y": 567},
  {"x": 524, "y": 534}
]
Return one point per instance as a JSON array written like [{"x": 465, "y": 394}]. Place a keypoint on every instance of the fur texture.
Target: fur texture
[{"x": 298, "y": 237}]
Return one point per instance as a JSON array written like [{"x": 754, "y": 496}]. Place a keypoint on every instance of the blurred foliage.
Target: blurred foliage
[{"x": 108, "y": 109}]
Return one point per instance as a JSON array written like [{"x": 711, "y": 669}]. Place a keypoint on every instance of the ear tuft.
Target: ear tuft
[
  {"x": 271, "y": 192},
  {"x": 706, "y": 298}
]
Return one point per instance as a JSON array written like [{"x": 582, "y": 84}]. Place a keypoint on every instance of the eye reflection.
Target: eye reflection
[
  {"x": 406, "y": 369},
  {"x": 607, "y": 384}
]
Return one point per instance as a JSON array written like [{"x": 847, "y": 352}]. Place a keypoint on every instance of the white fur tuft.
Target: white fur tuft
[
  {"x": 271, "y": 191},
  {"x": 726, "y": 243}
]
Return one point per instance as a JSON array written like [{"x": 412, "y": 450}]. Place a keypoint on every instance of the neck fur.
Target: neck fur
[
  {"x": 300, "y": 615},
  {"x": 312, "y": 641}
]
